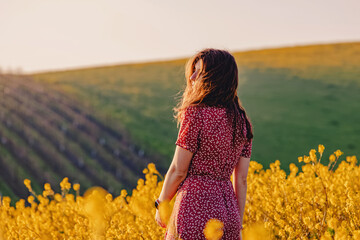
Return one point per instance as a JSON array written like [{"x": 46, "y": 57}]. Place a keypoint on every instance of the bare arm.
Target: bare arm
[
  {"x": 176, "y": 173},
  {"x": 240, "y": 183}
]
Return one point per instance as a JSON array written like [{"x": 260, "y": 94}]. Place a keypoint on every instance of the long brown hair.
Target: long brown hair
[{"x": 215, "y": 85}]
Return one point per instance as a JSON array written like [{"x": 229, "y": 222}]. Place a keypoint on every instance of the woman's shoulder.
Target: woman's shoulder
[
  {"x": 206, "y": 107},
  {"x": 191, "y": 112},
  {"x": 210, "y": 113},
  {"x": 214, "y": 109},
  {"x": 206, "y": 111}
]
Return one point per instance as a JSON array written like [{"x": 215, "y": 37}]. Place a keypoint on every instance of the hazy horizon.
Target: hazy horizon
[{"x": 40, "y": 36}]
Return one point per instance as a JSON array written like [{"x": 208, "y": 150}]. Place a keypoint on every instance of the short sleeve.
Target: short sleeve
[
  {"x": 189, "y": 133},
  {"x": 246, "y": 151}
]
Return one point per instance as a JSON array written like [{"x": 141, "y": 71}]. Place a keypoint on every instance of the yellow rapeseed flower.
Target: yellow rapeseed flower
[
  {"x": 214, "y": 229},
  {"x": 352, "y": 159},
  {"x": 47, "y": 186},
  {"x": 65, "y": 185},
  {"x": 152, "y": 168},
  {"x": 338, "y": 153},
  {"x": 321, "y": 149},
  {"x": 333, "y": 223},
  {"x": 31, "y": 199},
  {"x": 356, "y": 234},
  {"x": 48, "y": 193},
  {"x": 332, "y": 158},
  {"x": 306, "y": 159},
  {"x": 27, "y": 183},
  {"x": 307, "y": 221},
  {"x": 312, "y": 155},
  {"x": 326, "y": 236},
  {"x": 109, "y": 197},
  {"x": 123, "y": 193},
  {"x": 165, "y": 211},
  {"x": 258, "y": 231},
  {"x": 76, "y": 187},
  {"x": 94, "y": 209},
  {"x": 58, "y": 197}
]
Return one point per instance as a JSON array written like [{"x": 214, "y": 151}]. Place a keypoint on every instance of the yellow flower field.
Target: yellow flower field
[{"x": 315, "y": 203}]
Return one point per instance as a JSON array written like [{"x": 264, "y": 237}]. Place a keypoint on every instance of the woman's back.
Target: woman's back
[
  {"x": 208, "y": 131},
  {"x": 207, "y": 191}
]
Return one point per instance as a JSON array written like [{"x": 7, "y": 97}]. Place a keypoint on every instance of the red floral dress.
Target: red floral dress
[{"x": 207, "y": 191}]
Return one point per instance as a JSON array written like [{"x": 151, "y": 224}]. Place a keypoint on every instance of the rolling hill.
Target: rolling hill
[
  {"x": 46, "y": 136},
  {"x": 297, "y": 97}
]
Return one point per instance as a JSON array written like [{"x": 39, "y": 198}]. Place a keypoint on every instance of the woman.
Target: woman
[{"x": 214, "y": 141}]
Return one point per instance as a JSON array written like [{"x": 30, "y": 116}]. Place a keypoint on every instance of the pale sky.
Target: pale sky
[{"x": 40, "y": 35}]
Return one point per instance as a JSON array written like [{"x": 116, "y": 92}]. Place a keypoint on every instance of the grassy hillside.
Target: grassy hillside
[
  {"x": 46, "y": 136},
  {"x": 296, "y": 97}
]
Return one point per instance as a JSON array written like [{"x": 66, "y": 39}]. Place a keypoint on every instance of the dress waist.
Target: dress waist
[{"x": 208, "y": 177}]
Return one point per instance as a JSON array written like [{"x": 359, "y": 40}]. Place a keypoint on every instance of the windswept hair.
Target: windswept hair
[{"x": 215, "y": 85}]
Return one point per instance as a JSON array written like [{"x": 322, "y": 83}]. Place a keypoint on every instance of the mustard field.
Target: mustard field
[{"x": 318, "y": 202}]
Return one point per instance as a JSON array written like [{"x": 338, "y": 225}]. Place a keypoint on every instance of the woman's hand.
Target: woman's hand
[{"x": 158, "y": 219}]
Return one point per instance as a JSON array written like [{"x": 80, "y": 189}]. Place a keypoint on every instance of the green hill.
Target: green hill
[
  {"x": 46, "y": 136},
  {"x": 296, "y": 97}
]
